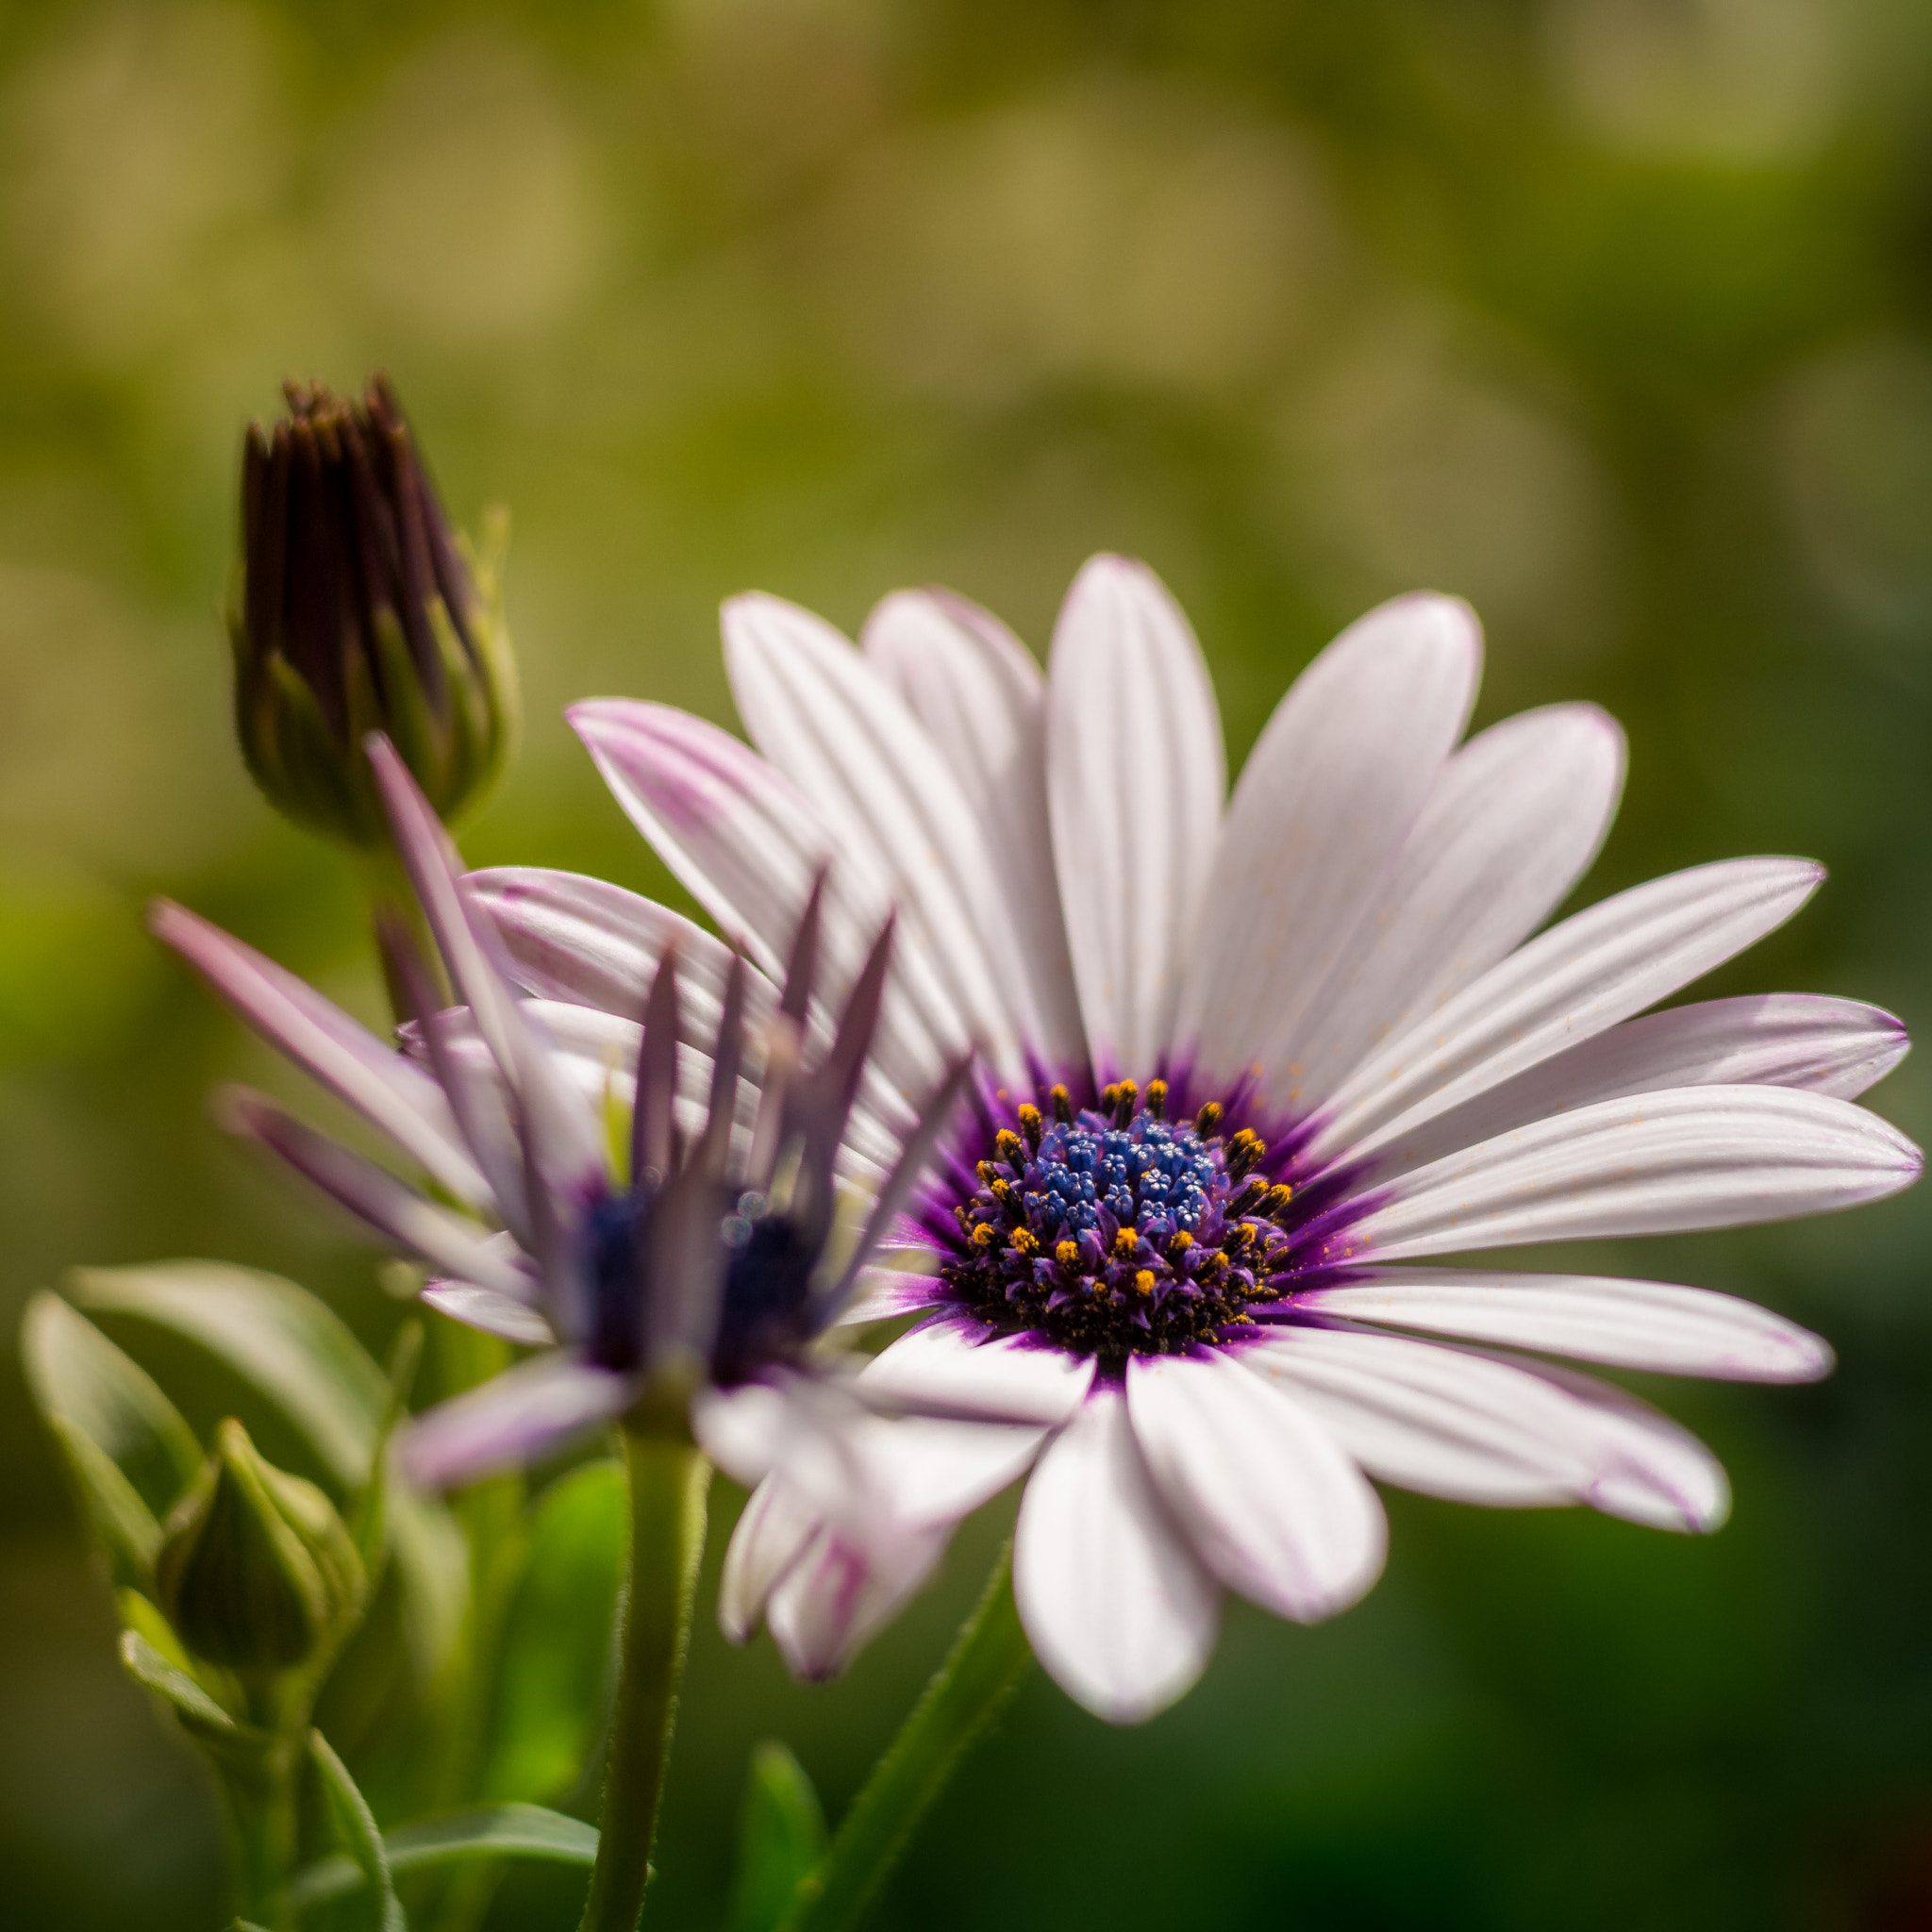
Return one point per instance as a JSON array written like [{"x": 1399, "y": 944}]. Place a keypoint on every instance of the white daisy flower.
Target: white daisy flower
[{"x": 1253, "y": 1067}]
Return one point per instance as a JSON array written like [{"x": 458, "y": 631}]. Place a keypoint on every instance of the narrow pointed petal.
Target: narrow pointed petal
[
  {"x": 1835, "y": 1048},
  {"x": 982, "y": 700},
  {"x": 1657, "y": 1163},
  {"x": 825, "y": 719},
  {"x": 652, "y": 1127},
  {"x": 1510, "y": 825},
  {"x": 513, "y": 1419},
  {"x": 839, "y": 1593},
  {"x": 1573, "y": 982},
  {"x": 1327, "y": 799},
  {"x": 445, "y": 1239},
  {"x": 769, "y": 1536},
  {"x": 1495, "y": 1431},
  {"x": 1270, "y": 1502},
  {"x": 493, "y": 1313},
  {"x": 1136, "y": 772},
  {"x": 375, "y": 1079},
  {"x": 1113, "y": 1599},
  {"x": 1628, "y": 1325},
  {"x": 744, "y": 843}
]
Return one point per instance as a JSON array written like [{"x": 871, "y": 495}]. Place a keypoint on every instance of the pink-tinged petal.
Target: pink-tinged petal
[
  {"x": 393, "y": 1096},
  {"x": 1324, "y": 802},
  {"x": 1656, "y": 1163},
  {"x": 445, "y": 1239},
  {"x": 943, "y": 1368},
  {"x": 982, "y": 700},
  {"x": 1510, "y": 825},
  {"x": 1504, "y": 1432},
  {"x": 839, "y": 1595},
  {"x": 771, "y": 1533},
  {"x": 512, "y": 1418},
  {"x": 1135, "y": 777},
  {"x": 885, "y": 1291},
  {"x": 1579, "y": 978},
  {"x": 747, "y": 844},
  {"x": 560, "y": 1142},
  {"x": 1835, "y": 1048},
  {"x": 1629, "y": 1325},
  {"x": 493, "y": 1313},
  {"x": 1269, "y": 1500},
  {"x": 825, "y": 719},
  {"x": 1113, "y": 1599}
]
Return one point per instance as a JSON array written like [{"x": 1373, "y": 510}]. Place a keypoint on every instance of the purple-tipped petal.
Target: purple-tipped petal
[
  {"x": 511, "y": 1420},
  {"x": 445, "y": 1239},
  {"x": 653, "y": 1127},
  {"x": 373, "y": 1078},
  {"x": 772, "y": 1531},
  {"x": 839, "y": 1593}
]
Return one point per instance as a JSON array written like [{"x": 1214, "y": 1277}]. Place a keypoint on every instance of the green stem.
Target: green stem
[
  {"x": 984, "y": 1668},
  {"x": 668, "y": 1481},
  {"x": 258, "y": 1804}
]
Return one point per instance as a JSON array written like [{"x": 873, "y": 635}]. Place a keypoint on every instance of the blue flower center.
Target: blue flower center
[{"x": 1114, "y": 1231}]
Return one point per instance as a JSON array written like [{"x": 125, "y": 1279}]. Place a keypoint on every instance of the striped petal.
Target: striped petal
[
  {"x": 1328, "y": 797},
  {"x": 1113, "y": 1599},
  {"x": 1573, "y": 982},
  {"x": 1135, "y": 773},
  {"x": 512, "y": 1418},
  {"x": 1505, "y": 1434},
  {"x": 1629, "y": 1325},
  {"x": 830, "y": 723},
  {"x": 982, "y": 700},
  {"x": 1270, "y": 1502},
  {"x": 1658, "y": 1163},
  {"x": 1511, "y": 824}
]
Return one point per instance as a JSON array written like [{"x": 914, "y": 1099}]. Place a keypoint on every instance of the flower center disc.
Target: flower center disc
[{"x": 1115, "y": 1231}]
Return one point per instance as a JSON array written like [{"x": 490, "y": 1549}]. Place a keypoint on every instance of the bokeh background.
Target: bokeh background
[{"x": 1614, "y": 315}]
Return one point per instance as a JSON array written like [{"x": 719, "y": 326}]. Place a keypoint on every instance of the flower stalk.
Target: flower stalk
[
  {"x": 669, "y": 1480},
  {"x": 981, "y": 1671}
]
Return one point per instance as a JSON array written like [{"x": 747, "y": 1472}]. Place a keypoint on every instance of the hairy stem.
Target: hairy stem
[
  {"x": 668, "y": 1482},
  {"x": 983, "y": 1669}
]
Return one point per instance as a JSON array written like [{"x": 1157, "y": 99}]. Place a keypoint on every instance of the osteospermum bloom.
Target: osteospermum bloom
[
  {"x": 1255, "y": 1066},
  {"x": 667, "y": 1214}
]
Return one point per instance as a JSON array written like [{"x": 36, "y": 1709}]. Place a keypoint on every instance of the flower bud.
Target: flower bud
[
  {"x": 255, "y": 1570},
  {"x": 359, "y": 610}
]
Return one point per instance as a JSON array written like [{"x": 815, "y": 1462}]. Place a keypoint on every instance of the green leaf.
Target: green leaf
[
  {"x": 356, "y": 1825},
  {"x": 77, "y": 1376},
  {"x": 556, "y": 1645},
  {"x": 489, "y": 1831},
  {"x": 300, "y": 1354},
  {"x": 122, "y": 1522},
  {"x": 197, "y": 1709},
  {"x": 781, "y": 1836}
]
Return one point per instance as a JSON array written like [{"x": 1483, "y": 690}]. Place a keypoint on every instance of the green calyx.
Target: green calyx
[
  {"x": 257, "y": 1572},
  {"x": 357, "y": 609}
]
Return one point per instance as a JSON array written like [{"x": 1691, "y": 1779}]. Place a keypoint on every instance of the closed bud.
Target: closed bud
[
  {"x": 256, "y": 1571},
  {"x": 359, "y": 610}
]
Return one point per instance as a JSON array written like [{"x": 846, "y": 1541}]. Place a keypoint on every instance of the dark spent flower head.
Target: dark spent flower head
[{"x": 358, "y": 609}]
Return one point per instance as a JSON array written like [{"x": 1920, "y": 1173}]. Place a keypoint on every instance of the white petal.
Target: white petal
[
  {"x": 1512, "y": 823},
  {"x": 1657, "y": 1163},
  {"x": 982, "y": 701},
  {"x": 746, "y": 845},
  {"x": 1607, "y": 962},
  {"x": 1269, "y": 1500},
  {"x": 1324, "y": 802},
  {"x": 1836, "y": 1047},
  {"x": 825, "y": 719},
  {"x": 1135, "y": 772},
  {"x": 839, "y": 1593},
  {"x": 942, "y": 1368},
  {"x": 1630, "y": 1324},
  {"x": 772, "y": 1532},
  {"x": 515, "y": 1418},
  {"x": 1114, "y": 1601},
  {"x": 1507, "y": 1434},
  {"x": 493, "y": 1313}
]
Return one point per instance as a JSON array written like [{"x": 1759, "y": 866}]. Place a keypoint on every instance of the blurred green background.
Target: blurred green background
[{"x": 1614, "y": 315}]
